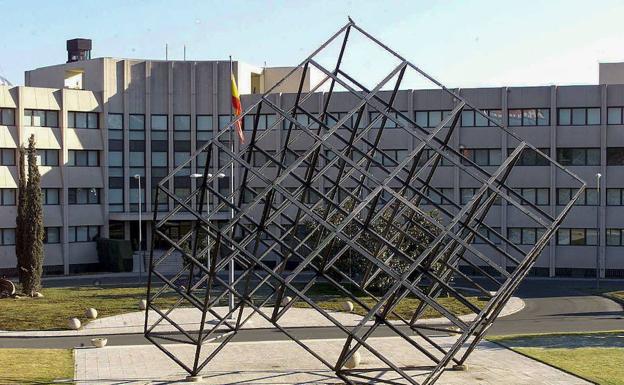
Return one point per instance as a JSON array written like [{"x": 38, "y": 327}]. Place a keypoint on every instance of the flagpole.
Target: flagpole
[{"x": 231, "y": 272}]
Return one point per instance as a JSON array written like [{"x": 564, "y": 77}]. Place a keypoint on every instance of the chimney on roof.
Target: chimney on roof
[{"x": 78, "y": 49}]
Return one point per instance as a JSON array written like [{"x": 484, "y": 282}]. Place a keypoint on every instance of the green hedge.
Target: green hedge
[{"x": 114, "y": 254}]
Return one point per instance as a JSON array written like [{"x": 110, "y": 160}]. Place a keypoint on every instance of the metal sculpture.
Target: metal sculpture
[{"x": 375, "y": 206}]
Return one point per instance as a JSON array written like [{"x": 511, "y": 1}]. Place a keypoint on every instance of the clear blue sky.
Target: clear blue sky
[{"x": 462, "y": 43}]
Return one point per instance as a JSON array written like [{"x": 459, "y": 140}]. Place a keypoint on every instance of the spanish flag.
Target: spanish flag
[{"x": 237, "y": 109}]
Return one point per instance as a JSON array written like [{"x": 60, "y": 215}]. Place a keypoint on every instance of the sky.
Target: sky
[{"x": 476, "y": 43}]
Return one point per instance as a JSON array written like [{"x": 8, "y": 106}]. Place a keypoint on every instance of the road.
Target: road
[{"x": 551, "y": 306}]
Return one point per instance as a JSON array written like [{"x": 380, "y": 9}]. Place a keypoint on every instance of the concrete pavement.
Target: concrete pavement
[{"x": 287, "y": 363}]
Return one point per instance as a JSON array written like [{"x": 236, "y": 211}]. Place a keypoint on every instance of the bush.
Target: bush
[{"x": 112, "y": 253}]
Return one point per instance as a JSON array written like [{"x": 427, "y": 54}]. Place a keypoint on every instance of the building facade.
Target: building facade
[{"x": 103, "y": 126}]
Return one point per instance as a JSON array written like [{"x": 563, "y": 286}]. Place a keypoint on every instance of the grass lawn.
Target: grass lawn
[
  {"x": 405, "y": 308},
  {"x": 597, "y": 357},
  {"x": 36, "y": 366},
  {"x": 618, "y": 295},
  {"x": 328, "y": 300},
  {"x": 58, "y": 304}
]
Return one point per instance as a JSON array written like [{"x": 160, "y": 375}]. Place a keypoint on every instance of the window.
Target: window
[
  {"x": 615, "y": 197},
  {"x": 204, "y": 129},
  {"x": 115, "y": 200},
  {"x": 579, "y": 116},
  {"x": 224, "y": 121},
  {"x": 82, "y": 120},
  {"x": 333, "y": 117},
  {"x": 83, "y": 233},
  {"x": 577, "y": 237},
  {"x": 389, "y": 122},
  {"x": 536, "y": 196},
  {"x": 447, "y": 195},
  {"x": 429, "y": 153},
  {"x": 181, "y": 127},
  {"x": 7, "y": 196},
  {"x": 482, "y": 156},
  {"x": 589, "y": 197},
  {"x": 83, "y": 196},
  {"x": 530, "y": 157},
  {"x": 529, "y": 117},
  {"x": 115, "y": 159},
  {"x": 136, "y": 125},
  {"x": 159, "y": 159},
  {"x": 391, "y": 157},
  {"x": 40, "y": 118},
  {"x": 8, "y": 237},
  {"x": 52, "y": 235},
  {"x": 159, "y": 127},
  {"x": 470, "y": 118},
  {"x": 614, "y": 115},
  {"x": 50, "y": 196},
  {"x": 615, "y": 156},
  {"x": 429, "y": 119},
  {"x": 7, "y": 116},
  {"x": 137, "y": 159},
  {"x": 47, "y": 157},
  {"x": 489, "y": 234},
  {"x": 578, "y": 156},
  {"x": 7, "y": 157},
  {"x": 466, "y": 194},
  {"x": 114, "y": 122},
  {"x": 83, "y": 158},
  {"x": 265, "y": 121},
  {"x": 615, "y": 237},
  {"x": 524, "y": 235}
]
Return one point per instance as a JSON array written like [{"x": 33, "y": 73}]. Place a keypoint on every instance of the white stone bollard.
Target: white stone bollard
[
  {"x": 353, "y": 361},
  {"x": 73, "y": 323},
  {"x": 91, "y": 313},
  {"x": 286, "y": 301},
  {"x": 142, "y": 304},
  {"x": 99, "y": 342},
  {"x": 347, "y": 306}
]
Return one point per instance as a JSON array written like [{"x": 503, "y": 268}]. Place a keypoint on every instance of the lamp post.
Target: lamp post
[
  {"x": 598, "y": 176},
  {"x": 197, "y": 176},
  {"x": 141, "y": 267}
]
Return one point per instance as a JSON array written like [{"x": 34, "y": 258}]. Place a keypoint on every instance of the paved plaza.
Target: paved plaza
[{"x": 286, "y": 363}]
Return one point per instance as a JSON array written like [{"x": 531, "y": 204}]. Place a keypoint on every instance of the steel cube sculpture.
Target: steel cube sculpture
[{"x": 301, "y": 213}]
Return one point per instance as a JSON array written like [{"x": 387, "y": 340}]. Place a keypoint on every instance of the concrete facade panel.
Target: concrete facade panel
[
  {"x": 50, "y": 176},
  {"x": 83, "y": 139},
  {"x": 84, "y": 177},
  {"x": 85, "y": 215},
  {"x": 45, "y": 137}
]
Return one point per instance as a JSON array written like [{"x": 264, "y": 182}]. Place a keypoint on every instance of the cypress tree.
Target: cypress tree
[
  {"x": 20, "y": 230},
  {"x": 34, "y": 225}
]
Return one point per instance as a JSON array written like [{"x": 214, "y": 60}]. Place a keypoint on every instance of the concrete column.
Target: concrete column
[
  {"x": 170, "y": 123},
  {"x": 552, "y": 247},
  {"x": 455, "y": 142},
  {"x": 126, "y": 136},
  {"x": 215, "y": 121},
  {"x": 504, "y": 145},
  {"x": 63, "y": 157},
  {"x": 104, "y": 156},
  {"x": 193, "y": 111},
  {"x": 148, "y": 139},
  {"x": 602, "y": 231}
]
